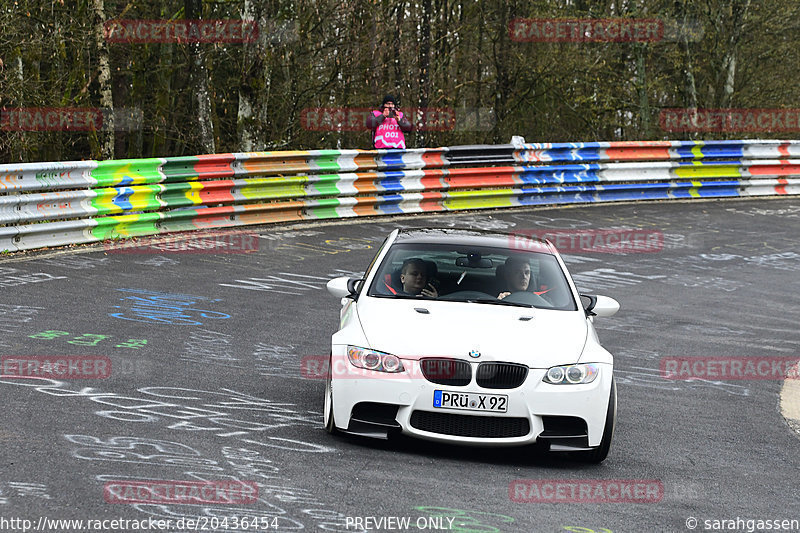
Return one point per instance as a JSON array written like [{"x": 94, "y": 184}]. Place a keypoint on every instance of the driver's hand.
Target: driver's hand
[
  {"x": 430, "y": 291},
  {"x": 502, "y": 295}
]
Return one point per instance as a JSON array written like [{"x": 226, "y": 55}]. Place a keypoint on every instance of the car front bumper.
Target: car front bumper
[{"x": 568, "y": 417}]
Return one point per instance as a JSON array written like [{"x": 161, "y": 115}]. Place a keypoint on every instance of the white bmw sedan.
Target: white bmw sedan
[{"x": 474, "y": 338}]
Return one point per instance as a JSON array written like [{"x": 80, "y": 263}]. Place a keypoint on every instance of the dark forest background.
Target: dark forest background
[{"x": 192, "y": 98}]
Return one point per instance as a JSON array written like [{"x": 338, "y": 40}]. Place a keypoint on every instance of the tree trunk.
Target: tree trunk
[
  {"x": 106, "y": 133},
  {"x": 502, "y": 88},
  {"x": 729, "y": 72},
  {"x": 163, "y": 102},
  {"x": 399, "y": 75},
  {"x": 641, "y": 87},
  {"x": 691, "y": 85},
  {"x": 200, "y": 84},
  {"x": 252, "y": 111},
  {"x": 738, "y": 15},
  {"x": 424, "y": 70}
]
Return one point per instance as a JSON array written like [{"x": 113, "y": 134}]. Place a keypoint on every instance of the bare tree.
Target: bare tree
[
  {"x": 255, "y": 81},
  {"x": 200, "y": 83},
  {"x": 106, "y": 135}
]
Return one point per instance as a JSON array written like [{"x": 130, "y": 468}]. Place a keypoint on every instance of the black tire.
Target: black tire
[
  {"x": 598, "y": 455},
  {"x": 330, "y": 423}
]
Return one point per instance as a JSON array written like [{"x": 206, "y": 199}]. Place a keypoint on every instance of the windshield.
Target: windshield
[{"x": 495, "y": 276}]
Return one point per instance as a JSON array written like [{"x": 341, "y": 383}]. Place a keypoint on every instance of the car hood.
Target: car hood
[{"x": 454, "y": 329}]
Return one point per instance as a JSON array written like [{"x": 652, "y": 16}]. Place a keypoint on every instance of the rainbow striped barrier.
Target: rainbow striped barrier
[{"x": 53, "y": 204}]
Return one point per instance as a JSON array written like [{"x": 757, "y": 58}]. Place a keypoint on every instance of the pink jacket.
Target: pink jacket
[{"x": 388, "y": 134}]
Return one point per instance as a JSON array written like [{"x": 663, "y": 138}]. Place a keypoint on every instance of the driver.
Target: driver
[
  {"x": 517, "y": 276},
  {"x": 415, "y": 280}
]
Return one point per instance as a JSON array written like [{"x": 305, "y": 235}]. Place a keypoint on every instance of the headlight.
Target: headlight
[
  {"x": 373, "y": 360},
  {"x": 555, "y": 375},
  {"x": 571, "y": 374}
]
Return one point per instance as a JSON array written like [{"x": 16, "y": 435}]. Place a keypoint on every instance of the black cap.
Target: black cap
[{"x": 388, "y": 98}]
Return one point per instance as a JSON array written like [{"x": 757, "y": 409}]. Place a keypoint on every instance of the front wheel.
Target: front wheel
[
  {"x": 598, "y": 455},
  {"x": 330, "y": 424}
]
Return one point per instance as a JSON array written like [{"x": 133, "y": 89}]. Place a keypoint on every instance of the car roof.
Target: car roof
[{"x": 521, "y": 240}]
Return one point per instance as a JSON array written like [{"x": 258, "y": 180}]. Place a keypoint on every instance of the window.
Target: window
[{"x": 467, "y": 273}]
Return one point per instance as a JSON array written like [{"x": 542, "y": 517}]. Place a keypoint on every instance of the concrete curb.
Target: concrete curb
[{"x": 790, "y": 400}]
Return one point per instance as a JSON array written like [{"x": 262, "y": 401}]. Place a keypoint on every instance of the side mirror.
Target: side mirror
[
  {"x": 345, "y": 287},
  {"x": 594, "y": 305}
]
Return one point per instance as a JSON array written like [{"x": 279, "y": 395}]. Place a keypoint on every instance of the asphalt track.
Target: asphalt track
[{"x": 216, "y": 391}]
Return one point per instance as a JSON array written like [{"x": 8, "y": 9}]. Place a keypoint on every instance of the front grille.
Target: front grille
[
  {"x": 501, "y": 375},
  {"x": 470, "y": 426},
  {"x": 452, "y": 372}
]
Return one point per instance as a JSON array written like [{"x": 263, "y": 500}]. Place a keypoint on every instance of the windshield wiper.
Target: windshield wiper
[{"x": 495, "y": 301}]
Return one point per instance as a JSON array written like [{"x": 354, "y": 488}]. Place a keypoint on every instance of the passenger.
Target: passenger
[
  {"x": 415, "y": 279},
  {"x": 516, "y": 276}
]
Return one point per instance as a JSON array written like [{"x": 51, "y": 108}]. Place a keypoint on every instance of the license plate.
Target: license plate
[{"x": 468, "y": 401}]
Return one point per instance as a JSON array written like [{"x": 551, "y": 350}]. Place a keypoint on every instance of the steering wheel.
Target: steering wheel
[
  {"x": 525, "y": 297},
  {"x": 466, "y": 295}
]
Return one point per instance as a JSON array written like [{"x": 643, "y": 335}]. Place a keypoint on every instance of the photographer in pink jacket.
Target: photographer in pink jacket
[{"x": 388, "y": 124}]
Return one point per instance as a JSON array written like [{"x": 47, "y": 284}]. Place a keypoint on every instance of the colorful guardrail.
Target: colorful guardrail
[{"x": 53, "y": 204}]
